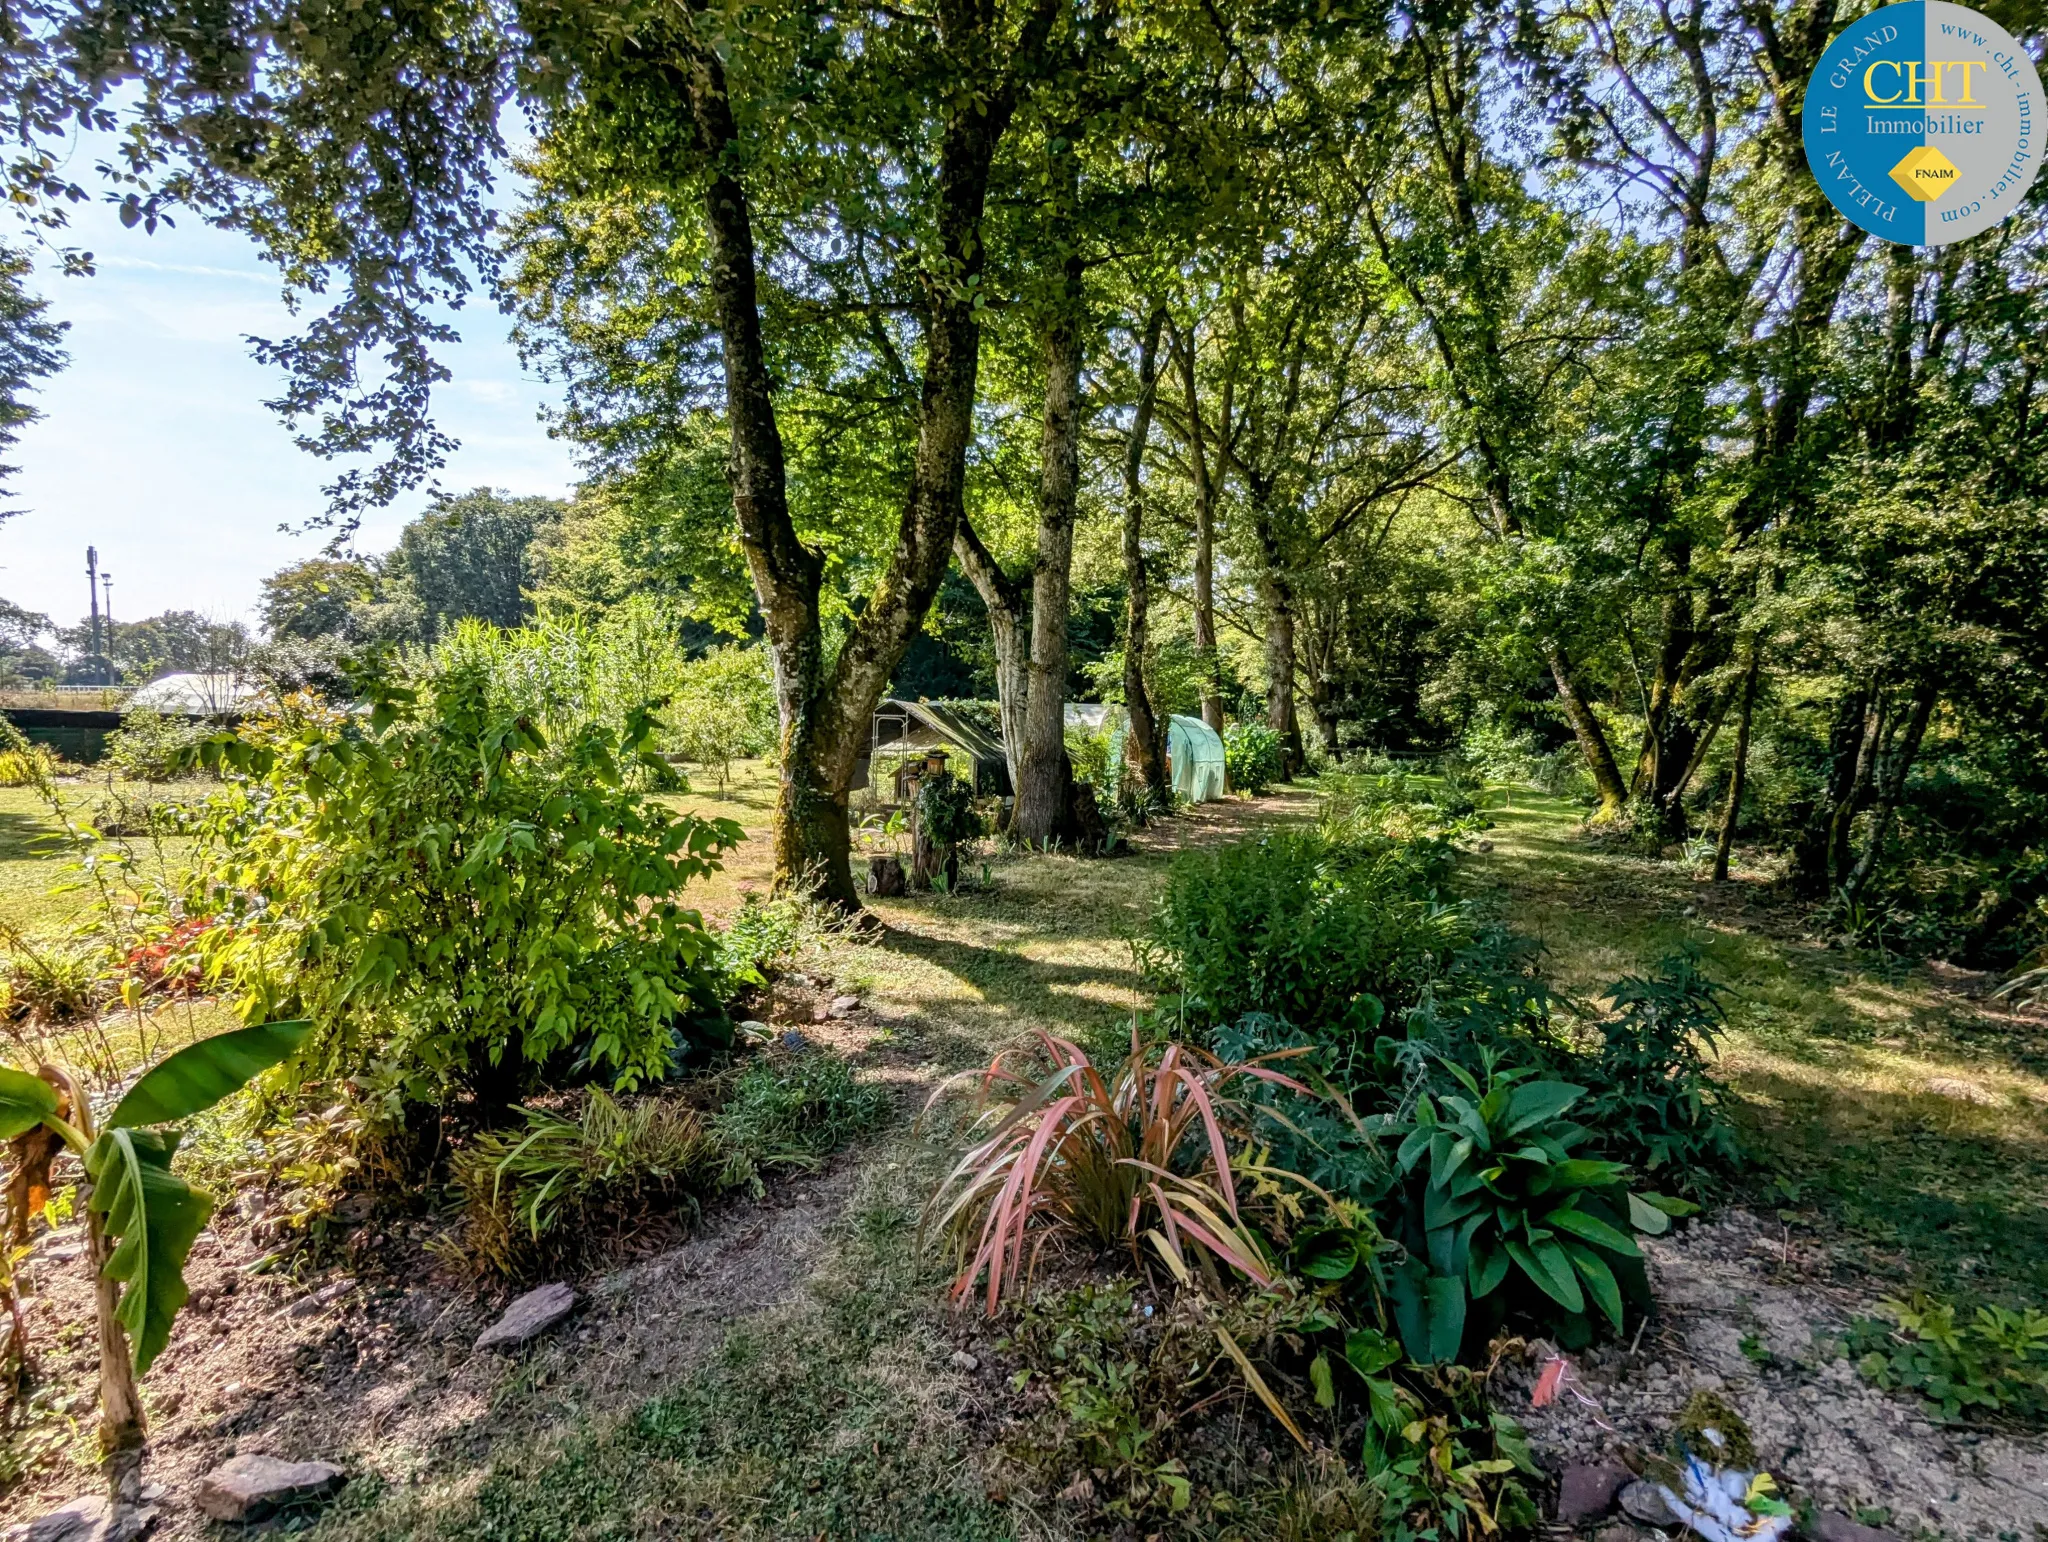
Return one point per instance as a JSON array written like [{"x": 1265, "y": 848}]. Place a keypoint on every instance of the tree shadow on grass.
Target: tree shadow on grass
[
  {"x": 1036, "y": 993},
  {"x": 28, "y": 837},
  {"x": 1952, "y": 1187}
]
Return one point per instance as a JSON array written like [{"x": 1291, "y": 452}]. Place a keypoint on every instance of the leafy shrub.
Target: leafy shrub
[
  {"x": 1496, "y": 1201},
  {"x": 1253, "y": 757},
  {"x": 1996, "y": 1363},
  {"x": 1327, "y": 934},
  {"x": 531, "y": 1193},
  {"x": 29, "y": 767},
  {"x": 1653, "y": 1101},
  {"x": 1110, "y": 1387},
  {"x": 150, "y": 747},
  {"x": 792, "y": 1113},
  {"x": 1140, "y": 1158},
  {"x": 458, "y": 902},
  {"x": 50, "y": 982},
  {"x": 946, "y": 813},
  {"x": 762, "y": 934}
]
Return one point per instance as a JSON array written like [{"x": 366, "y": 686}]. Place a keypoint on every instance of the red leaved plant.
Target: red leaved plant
[{"x": 1142, "y": 1155}]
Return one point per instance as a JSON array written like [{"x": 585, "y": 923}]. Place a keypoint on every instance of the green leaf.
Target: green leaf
[
  {"x": 1371, "y": 1352},
  {"x": 1319, "y": 1380},
  {"x": 25, "y": 1102},
  {"x": 1484, "y": 1271},
  {"x": 1599, "y": 1280},
  {"x": 1647, "y": 1217},
  {"x": 200, "y": 1075},
  {"x": 153, "y": 1217},
  {"x": 1538, "y": 1102},
  {"x": 1429, "y": 1309},
  {"x": 1590, "y": 1228},
  {"x": 1546, "y": 1264}
]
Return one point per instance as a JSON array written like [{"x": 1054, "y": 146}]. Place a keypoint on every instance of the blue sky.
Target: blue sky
[{"x": 156, "y": 448}]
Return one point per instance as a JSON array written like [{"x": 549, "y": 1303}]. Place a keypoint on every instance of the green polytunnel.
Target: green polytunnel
[{"x": 1194, "y": 759}]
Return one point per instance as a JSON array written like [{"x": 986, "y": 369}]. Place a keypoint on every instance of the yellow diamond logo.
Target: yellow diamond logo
[{"x": 1925, "y": 173}]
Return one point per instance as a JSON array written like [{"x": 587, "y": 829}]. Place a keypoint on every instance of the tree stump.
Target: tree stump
[{"x": 885, "y": 875}]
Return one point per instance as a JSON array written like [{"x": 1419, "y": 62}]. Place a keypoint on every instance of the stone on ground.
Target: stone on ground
[
  {"x": 845, "y": 1006},
  {"x": 1644, "y": 1502},
  {"x": 87, "y": 1519},
  {"x": 1587, "y": 1491},
  {"x": 529, "y": 1317},
  {"x": 253, "y": 1488}
]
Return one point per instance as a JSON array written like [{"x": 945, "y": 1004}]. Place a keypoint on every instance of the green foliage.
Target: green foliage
[
  {"x": 200, "y": 1075},
  {"x": 1496, "y": 1201},
  {"x": 153, "y": 1217},
  {"x": 946, "y": 814},
  {"x": 1253, "y": 757},
  {"x": 1331, "y": 933},
  {"x": 151, "y": 747},
  {"x": 547, "y": 1192},
  {"x": 791, "y": 1113},
  {"x": 457, "y": 901},
  {"x": 30, "y": 767},
  {"x": 1995, "y": 1364},
  {"x": 1110, "y": 1385},
  {"x": 1652, "y": 1099}
]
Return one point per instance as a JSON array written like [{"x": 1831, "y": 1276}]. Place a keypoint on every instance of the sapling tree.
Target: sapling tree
[{"x": 141, "y": 1218}]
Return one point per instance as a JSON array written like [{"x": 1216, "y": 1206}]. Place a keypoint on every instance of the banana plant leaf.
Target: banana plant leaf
[
  {"x": 153, "y": 1217},
  {"x": 200, "y": 1075},
  {"x": 25, "y": 1102}
]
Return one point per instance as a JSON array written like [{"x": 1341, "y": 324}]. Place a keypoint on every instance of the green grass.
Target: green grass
[{"x": 1903, "y": 1122}]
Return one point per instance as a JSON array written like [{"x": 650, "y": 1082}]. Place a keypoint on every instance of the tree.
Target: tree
[
  {"x": 319, "y": 597},
  {"x": 467, "y": 556}
]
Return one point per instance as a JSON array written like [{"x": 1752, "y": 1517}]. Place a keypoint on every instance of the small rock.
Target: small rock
[
  {"x": 1644, "y": 1502},
  {"x": 1484, "y": 846},
  {"x": 1586, "y": 1491},
  {"x": 63, "y": 1252},
  {"x": 325, "y": 1296},
  {"x": 87, "y": 1519},
  {"x": 963, "y": 1361},
  {"x": 844, "y": 1006},
  {"x": 821, "y": 1013},
  {"x": 252, "y": 1488},
  {"x": 233, "y": 1388},
  {"x": 794, "y": 1039},
  {"x": 529, "y": 1317},
  {"x": 1833, "y": 1526}
]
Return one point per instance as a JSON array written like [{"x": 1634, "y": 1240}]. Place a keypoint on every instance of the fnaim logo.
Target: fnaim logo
[{"x": 1924, "y": 123}]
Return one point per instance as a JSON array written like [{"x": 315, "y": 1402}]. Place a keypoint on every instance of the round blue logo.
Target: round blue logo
[{"x": 1923, "y": 123}]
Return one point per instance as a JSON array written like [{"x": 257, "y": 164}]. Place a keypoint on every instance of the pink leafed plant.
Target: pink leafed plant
[{"x": 1140, "y": 1156}]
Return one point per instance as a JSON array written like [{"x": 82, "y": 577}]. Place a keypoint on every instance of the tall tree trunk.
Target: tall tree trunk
[
  {"x": 1205, "y": 537},
  {"x": 1607, "y": 782},
  {"x": 1281, "y": 716},
  {"x": 1144, "y": 736},
  {"x": 1007, "y": 603},
  {"x": 1731, "y": 810},
  {"x": 1852, "y": 790},
  {"x": 826, "y": 712},
  {"x": 1042, "y": 796},
  {"x": 1904, "y": 753}
]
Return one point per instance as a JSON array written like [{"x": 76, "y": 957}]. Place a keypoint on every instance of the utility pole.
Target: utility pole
[
  {"x": 92, "y": 593},
  {"x": 107, "y": 582}
]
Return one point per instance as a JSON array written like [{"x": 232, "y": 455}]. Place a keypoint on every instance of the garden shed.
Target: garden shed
[{"x": 968, "y": 731}]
